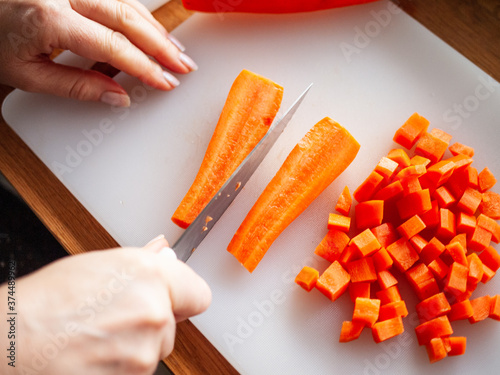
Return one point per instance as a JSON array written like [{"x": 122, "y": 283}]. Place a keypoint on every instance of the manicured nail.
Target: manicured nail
[
  {"x": 115, "y": 99},
  {"x": 188, "y": 61},
  {"x": 168, "y": 252},
  {"x": 176, "y": 42},
  {"x": 155, "y": 239},
  {"x": 170, "y": 79}
]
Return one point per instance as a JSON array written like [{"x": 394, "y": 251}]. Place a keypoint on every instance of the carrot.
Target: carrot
[
  {"x": 339, "y": 222},
  {"x": 447, "y": 227},
  {"x": 385, "y": 234},
  {"x": 386, "y": 167},
  {"x": 411, "y": 227},
  {"x": 403, "y": 255},
  {"x": 414, "y": 204},
  {"x": 318, "y": 159},
  {"x": 349, "y": 254},
  {"x": 481, "y": 307},
  {"x": 490, "y": 205},
  {"x": 470, "y": 201},
  {"x": 419, "y": 160},
  {"x": 461, "y": 149},
  {"x": 418, "y": 243},
  {"x": 476, "y": 269},
  {"x": 334, "y": 281},
  {"x": 386, "y": 279},
  {"x": 435, "y": 328},
  {"x": 438, "y": 268},
  {"x": 432, "y": 250},
  {"x": 427, "y": 289},
  {"x": 436, "y": 350},
  {"x": 307, "y": 278},
  {"x": 460, "y": 311},
  {"x": 241, "y": 125},
  {"x": 443, "y": 196},
  {"x": 433, "y": 307},
  {"x": 399, "y": 156},
  {"x": 486, "y": 180},
  {"x": 390, "y": 192},
  {"x": 369, "y": 213},
  {"x": 466, "y": 223},
  {"x": 409, "y": 133},
  {"x": 495, "y": 307},
  {"x": 410, "y": 171},
  {"x": 456, "y": 345},
  {"x": 440, "y": 172},
  {"x": 458, "y": 183},
  {"x": 431, "y": 217},
  {"x": 411, "y": 184},
  {"x": 417, "y": 275},
  {"x": 359, "y": 290},
  {"x": 350, "y": 331},
  {"x": 344, "y": 202},
  {"x": 487, "y": 223},
  {"x": 365, "y": 243},
  {"x": 457, "y": 253},
  {"x": 382, "y": 260},
  {"x": 432, "y": 145},
  {"x": 387, "y": 329},
  {"x": 389, "y": 295},
  {"x": 393, "y": 310},
  {"x": 362, "y": 270},
  {"x": 456, "y": 282},
  {"x": 368, "y": 187},
  {"x": 488, "y": 274},
  {"x": 490, "y": 258},
  {"x": 366, "y": 311},
  {"x": 472, "y": 177},
  {"x": 480, "y": 239},
  {"x": 332, "y": 245}
]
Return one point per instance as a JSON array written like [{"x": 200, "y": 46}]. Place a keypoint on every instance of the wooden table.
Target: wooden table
[{"x": 471, "y": 27}]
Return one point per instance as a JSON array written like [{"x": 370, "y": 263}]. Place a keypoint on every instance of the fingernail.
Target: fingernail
[
  {"x": 155, "y": 239},
  {"x": 176, "y": 42},
  {"x": 115, "y": 99},
  {"x": 168, "y": 252},
  {"x": 170, "y": 79},
  {"x": 188, "y": 61}
]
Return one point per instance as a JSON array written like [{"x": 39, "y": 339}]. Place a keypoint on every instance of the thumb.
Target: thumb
[{"x": 71, "y": 82}]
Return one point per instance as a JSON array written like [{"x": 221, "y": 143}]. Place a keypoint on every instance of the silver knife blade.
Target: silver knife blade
[{"x": 201, "y": 226}]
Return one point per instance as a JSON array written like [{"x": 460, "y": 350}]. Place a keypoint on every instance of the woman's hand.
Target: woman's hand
[
  {"x": 105, "y": 312},
  {"x": 122, "y": 33}
]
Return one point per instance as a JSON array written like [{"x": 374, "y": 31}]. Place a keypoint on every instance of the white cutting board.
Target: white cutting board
[{"x": 143, "y": 159}]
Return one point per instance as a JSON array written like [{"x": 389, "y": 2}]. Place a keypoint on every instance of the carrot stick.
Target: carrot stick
[
  {"x": 241, "y": 125},
  {"x": 318, "y": 159}
]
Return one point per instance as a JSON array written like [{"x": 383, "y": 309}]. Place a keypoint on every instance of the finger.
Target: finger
[
  {"x": 140, "y": 31},
  {"x": 156, "y": 244}
]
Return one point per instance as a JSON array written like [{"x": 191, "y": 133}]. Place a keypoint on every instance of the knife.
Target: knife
[{"x": 212, "y": 212}]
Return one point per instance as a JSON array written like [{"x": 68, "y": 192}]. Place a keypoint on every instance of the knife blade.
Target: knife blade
[{"x": 205, "y": 221}]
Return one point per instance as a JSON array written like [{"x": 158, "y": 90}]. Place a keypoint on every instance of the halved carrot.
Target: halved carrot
[
  {"x": 486, "y": 180},
  {"x": 368, "y": 187},
  {"x": 437, "y": 327},
  {"x": 460, "y": 311},
  {"x": 403, "y": 255},
  {"x": 362, "y": 270},
  {"x": 387, "y": 329},
  {"x": 318, "y": 159},
  {"x": 307, "y": 278},
  {"x": 359, "y": 290},
  {"x": 344, "y": 202},
  {"x": 339, "y": 222},
  {"x": 409, "y": 133},
  {"x": 461, "y": 149},
  {"x": 490, "y": 205},
  {"x": 481, "y": 307},
  {"x": 366, "y": 311},
  {"x": 334, "y": 281},
  {"x": 495, "y": 307},
  {"x": 350, "y": 331},
  {"x": 369, "y": 213},
  {"x": 241, "y": 125},
  {"x": 332, "y": 245}
]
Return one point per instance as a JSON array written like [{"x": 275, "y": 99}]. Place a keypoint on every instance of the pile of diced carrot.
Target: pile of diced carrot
[{"x": 428, "y": 217}]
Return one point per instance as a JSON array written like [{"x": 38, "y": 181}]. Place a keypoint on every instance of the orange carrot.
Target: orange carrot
[
  {"x": 476, "y": 269},
  {"x": 480, "y": 239},
  {"x": 486, "y": 180},
  {"x": 403, "y": 255},
  {"x": 487, "y": 223},
  {"x": 432, "y": 250},
  {"x": 466, "y": 223},
  {"x": 339, "y": 222},
  {"x": 410, "y": 171},
  {"x": 392, "y": 191},
  {"x": 437, "y": 327},
  {"x": 366, "y": 311},
  {"x": 443, "y": 196},
  {"x": 349, "y": 254},
  {"x": 386, "y": 167},
  {"x": 386, "y": 279},
  {"x": 387, "y": 329},
  {"x": 457, "y": 253},
  {"x": 419, "y": 160},
  {"x": 393, "y": 310},
  {"x": 461, "y": 162},
  {"x": 411, "y": 184},
  {"x": 481, "y": 307},
  {"x": 414, "y": 204},
  {"x": 307, "y": 278},
  {"x": 447, "y": 226},
  {"x": 461, "y": 149},
  {"x": 362, "y": 270},
  {"x": 382, "y": 260},
  {"x": 399, "y": 156},
  {"x": 433, "y": 307},
  {"x": 460, "y": 311},
  {"x": 436, "y": 350},
  {"x": 418, "y": 243},
  {"x": 470, "y": 201},
  {"x": 334, "y": 281},
  {"x": 411, "y": 227},
  {"x": 350, "y": 331},
  {"x": 418, "y": 274},
  {"x": 368, "y": 187},
  {"x": 369, "y": 213},
  {"x": 344, "y": 202},
  {"x": 389, "y": 295},
  {"x": 359, "y": 290},
  {"x": 318, "y": 159},
  {"x": 495, "y": 307},
  {"x": 456, "y": 282},
  {"x": 440, "y": 172},
  {"x": 490, "y": 205},
  {"x": 332, "y": 245},
  {"x": 456, "y": 344},
  {"x": 241, "y": 125},
  {"x": 438, "y": 268},
  {"x": 431, "y": 217},
  {"x": 490, "y": 258},
  {"x": 385, "y": 234},
  {"x": 432, "y": 146},
  {"x": 488, "y": 274},
  {"x": 409, "y": 133},
  {"x": 365, "y": 243},
  {"x": 472, "y": 177}
]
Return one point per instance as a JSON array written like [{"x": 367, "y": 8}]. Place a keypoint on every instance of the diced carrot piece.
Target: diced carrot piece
[
  {"x": 460, "y": 311},
  {"x": 411, "y": 227},
  {"x": 441, "y": 134},
  {"x": 386, "y": 167},
  {"x": 369, "y": 213},
  {"x": 472, "y": 177},
  {"x": 436, "y": 350},
  {"x": 462, "y": 162},
  {"x": 409, "y": 133},
  {"x": 487, "y": 223},
  {"x": 410, "y": 184},
  {"x": 382, "y": 260},
  {"x": 386, "y": 279},
  {"x": 332, "y": 245},
  {"x": 365, "y": 242},
  {"x": 427, "y": 289},
  {"x": 419, "y": 160},
  {"x": 457, "y": 252},
  {"x": 359, "y": 290},
  {"x": 393, "y": 310},
  {"x": 399, "y": 156},
  {"x": 339, "y": 222},
  {"x": 403, "y": 254},
  {"x": 486, "y": 180},
  {"x": 480, "y": 239},
  {"x": 385, "y": 234},
  {"x": 437, "y": 327},
  {"x": 490, "y": 205},
  {"x": 495, "y": 307},
  {"x": 488, "y": 274},
  {"x": 457, "y": 345},
  {"x": 307, "y": 278},
  {"x": 447, "y": 226},
  {"x": 389, "y": 295},
  {"x": 349, "y": 254},
  {"x": 350, "y": 331},
  {"x": 470, "y": 201},
  {"x": 390, "y": 192},
  {"x": 362, "y": 270},
  {"x": 495, "y": 235},
  {"x": 418, "y": 275},
  {"x": 481, "y": 307},
  {"x": 410, "y": 171},
  {"x": 438, "y": 268},
  {"x": 490, "y": 258},
  {"x": 476, "y": 269},
  {"x": 368, "y": 187},
  {"x": 431, "y": 217},
  {"x": 443, "y": 197},
  {"x": 334, "y": 281},
  {"x": 414, "y": 204},
  {"x": 440, "y": 172},
  {"x": 418, "y": 243},
  {"x": 458, "y": 183},
  {"x": 432, "y": 250},
  {"x": 466, "y": 223},
  {"x": 431, "y": 146},
  {"x": 461, "y": 149},
  {"x": 387, "y": 329},
  {"x": 456, "y": 282},
  {"x": 432, "y": 307},
  {"x": 366, "y": 311},
  {"x": 344, "y": 202}
]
